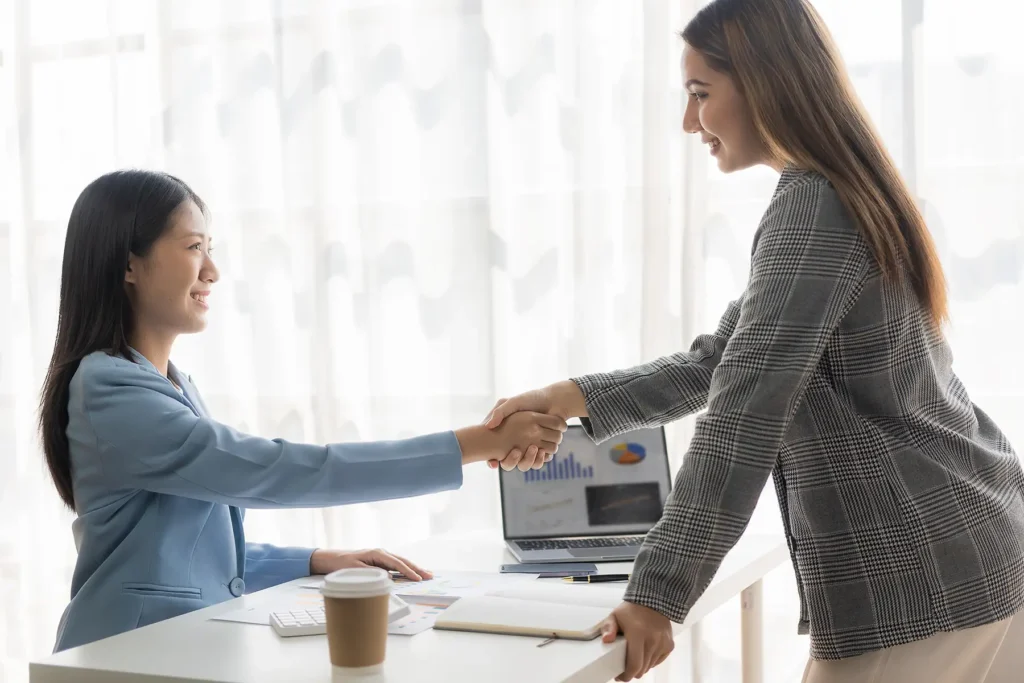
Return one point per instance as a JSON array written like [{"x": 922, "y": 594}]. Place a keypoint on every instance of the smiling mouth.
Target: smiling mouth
[
  {"x": 201, "y": 298},
  {"x": 714, "y": 146}
]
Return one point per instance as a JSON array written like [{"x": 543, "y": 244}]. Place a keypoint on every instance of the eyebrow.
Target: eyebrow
[
  {"x": 195, "y": 233},
  {"x": 694, "y": 81}
]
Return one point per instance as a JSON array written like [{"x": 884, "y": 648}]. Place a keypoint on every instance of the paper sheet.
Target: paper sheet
[
  {"x": 422, "y": 618},
  {"x": 260, "y": 614},
  {"x": 607, "y": 595},
  {"x": 456, "y": 585},
  {"x": 452, "y": 585}
]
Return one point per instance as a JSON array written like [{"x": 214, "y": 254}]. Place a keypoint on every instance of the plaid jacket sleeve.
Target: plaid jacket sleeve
[
  {"x": 661, "y": 391},
  {"x": 807, "y": 269}
]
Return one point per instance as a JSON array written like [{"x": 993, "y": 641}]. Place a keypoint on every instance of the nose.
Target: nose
[
  {"x": 691, "y": 117},
  {"x": 209, "y": 273}
]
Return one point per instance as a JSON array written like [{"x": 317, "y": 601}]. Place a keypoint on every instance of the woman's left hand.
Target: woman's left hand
[
  {"x": 326, "y": 561},
  {"x": 648, "y": 637}
]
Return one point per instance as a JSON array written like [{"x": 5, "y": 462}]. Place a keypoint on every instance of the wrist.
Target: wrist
[
  {"x": 316, "y": 563},
  {"x": 567, "y": 399},
  {"x": 477, "y": 443}
]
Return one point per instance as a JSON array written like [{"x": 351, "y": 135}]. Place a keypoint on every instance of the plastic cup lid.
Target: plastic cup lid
[{"x": 357, "y": 582}]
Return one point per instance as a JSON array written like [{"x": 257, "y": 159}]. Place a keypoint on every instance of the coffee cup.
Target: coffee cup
[{"x": 356, "y": 607}]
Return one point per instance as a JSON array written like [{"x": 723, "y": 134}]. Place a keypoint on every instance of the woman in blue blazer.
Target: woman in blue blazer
[{"x": 158, "y": 486}]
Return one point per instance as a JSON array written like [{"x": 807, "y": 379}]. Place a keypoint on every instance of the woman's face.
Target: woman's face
[
  {"x": 719, "y": 113},
  {"x": 168, "y": 288}
]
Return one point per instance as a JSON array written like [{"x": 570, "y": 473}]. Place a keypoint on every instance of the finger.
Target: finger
[
  {"x": 542, "y": 459},
  {"x": 661, "y": 650},
  {"x": 609, "y": 630},
  {"x": 425, "y": 573},
  {"x": 386, "y": 560},
  {"x": 511, "y": 460},
  {"x": 634, "y": 657},
  {"x": 498, "y": 413},
  {"x": 651, "y": 652},
  {"x": 529, "y": 458},
  {"x": 662, "y": 657},
  {"x": 516, "y": 454},
  {"x": 551, "y": 422},
  {"x": 552, "y": 435},
  {"x": 493, "y": 464},
  {"x": 545, "y": 448}
]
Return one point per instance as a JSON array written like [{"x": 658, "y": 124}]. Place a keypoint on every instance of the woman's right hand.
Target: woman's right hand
[
  {"x": 564, "y": 399},
  {"x": 527, "y": 440},
  {"x": 561, "y": 399},
  {"x": 522, "y": 440}
]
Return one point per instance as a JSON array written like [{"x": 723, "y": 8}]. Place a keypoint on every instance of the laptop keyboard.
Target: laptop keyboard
[{"x": 604, "y": 542}]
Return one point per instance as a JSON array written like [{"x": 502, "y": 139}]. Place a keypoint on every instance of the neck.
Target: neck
[
  {"x": 778, "y": 165},
  {"x": 154, "y": 345}
]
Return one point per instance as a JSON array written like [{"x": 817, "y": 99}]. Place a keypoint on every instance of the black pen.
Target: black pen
[{"x": 596, "y": 578}]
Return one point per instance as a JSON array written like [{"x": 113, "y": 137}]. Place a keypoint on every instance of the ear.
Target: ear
[{"x": 131, "y": 269}]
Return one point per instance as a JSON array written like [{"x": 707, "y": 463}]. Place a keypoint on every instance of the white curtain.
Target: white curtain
[{"x": 421, "y": 205}]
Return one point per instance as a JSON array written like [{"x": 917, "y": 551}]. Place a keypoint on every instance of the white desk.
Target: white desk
[{"x": 194, "y": 648}]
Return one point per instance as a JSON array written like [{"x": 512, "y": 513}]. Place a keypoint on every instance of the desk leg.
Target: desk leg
[
  {"x": 752, "y": 636},
  {"x": 696, "y": 639}
]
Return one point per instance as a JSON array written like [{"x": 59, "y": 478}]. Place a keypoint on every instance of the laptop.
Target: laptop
[{"x": 591, "y": 503}]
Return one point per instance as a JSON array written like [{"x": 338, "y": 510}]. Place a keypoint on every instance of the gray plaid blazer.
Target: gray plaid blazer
[{"x": 903, "y": 503}]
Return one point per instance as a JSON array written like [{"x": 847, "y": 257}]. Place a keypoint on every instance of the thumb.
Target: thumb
[
  {"x": 609, "y": 630},
  {"x": 502, "y": 409}
]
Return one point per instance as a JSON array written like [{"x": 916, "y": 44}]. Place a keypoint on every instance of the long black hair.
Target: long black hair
[{"x": 117, "y": 214}]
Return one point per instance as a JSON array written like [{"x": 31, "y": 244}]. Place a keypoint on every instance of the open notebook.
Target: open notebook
[{"x": 571, "y": 611}]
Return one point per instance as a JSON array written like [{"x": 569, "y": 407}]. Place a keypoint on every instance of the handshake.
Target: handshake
[{"x": 523, "y": 431}]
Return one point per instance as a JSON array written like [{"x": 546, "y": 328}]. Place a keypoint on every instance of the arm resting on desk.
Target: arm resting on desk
[{"x": 269, "y": 565}]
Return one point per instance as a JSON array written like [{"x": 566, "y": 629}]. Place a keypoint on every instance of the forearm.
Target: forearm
[
  {"x": 657, "y": 392},
  {"x": 269, "y": 565},
  {"x": 715, "y": 493}
]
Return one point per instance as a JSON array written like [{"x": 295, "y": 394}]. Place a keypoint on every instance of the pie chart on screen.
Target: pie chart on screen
[{"x": 628, "y": 453}]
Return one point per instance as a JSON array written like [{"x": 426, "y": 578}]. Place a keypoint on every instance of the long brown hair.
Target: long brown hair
[
  {"x": 786, "y": 64},
  {"x": 118, "y": 214}
]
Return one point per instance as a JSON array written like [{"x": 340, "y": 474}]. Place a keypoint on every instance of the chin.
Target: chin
[
  {"x": 195, "y": 326},
  {"x": 729, "y": 165}
]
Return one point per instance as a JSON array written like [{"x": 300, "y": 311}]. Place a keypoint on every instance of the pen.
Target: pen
[{"x": 596, "y": 578}]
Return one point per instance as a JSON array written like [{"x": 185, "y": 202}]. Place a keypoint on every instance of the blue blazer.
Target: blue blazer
[{"x": 160, "y": 490}]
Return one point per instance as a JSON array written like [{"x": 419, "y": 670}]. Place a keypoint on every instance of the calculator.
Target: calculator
[{"x": 312, "y": 621}]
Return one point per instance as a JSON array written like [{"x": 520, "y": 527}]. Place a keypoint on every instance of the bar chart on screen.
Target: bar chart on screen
[{"x": 559, "y": 469}]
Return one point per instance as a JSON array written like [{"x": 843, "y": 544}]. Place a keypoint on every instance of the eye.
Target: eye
[
  {"x": 698, "y": 95},
  {"x": 198, "y": 246}
]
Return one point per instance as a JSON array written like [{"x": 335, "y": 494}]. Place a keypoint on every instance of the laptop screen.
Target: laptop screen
[{"x": 617, "y": 487}]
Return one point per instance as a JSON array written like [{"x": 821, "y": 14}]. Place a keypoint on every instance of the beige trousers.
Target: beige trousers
[{"x": 993, "y": 653}]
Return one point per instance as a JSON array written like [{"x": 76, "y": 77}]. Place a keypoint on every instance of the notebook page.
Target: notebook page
[
  {"x": 491, "y": 614},
  {"x": 605, "y": 595}
]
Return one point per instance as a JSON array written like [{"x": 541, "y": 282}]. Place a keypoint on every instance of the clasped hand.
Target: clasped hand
[
  {"x": 561, "y": 400},
  {"x": 526, "y": 440}
]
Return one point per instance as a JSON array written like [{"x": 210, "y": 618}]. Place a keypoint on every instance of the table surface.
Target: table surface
[{"x": 192, "y": 647}]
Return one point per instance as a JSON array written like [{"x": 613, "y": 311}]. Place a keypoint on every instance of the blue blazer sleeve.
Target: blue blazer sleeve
[
  {"x": 148, "y": 438},
  {"x": 270, "y": 565}
]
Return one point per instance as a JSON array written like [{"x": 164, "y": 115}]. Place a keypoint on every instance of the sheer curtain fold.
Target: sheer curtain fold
[{"x": 421, "y": 206}]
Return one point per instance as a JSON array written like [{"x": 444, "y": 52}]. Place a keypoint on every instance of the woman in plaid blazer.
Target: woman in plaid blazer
[{"x": 902, "y": 501}]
